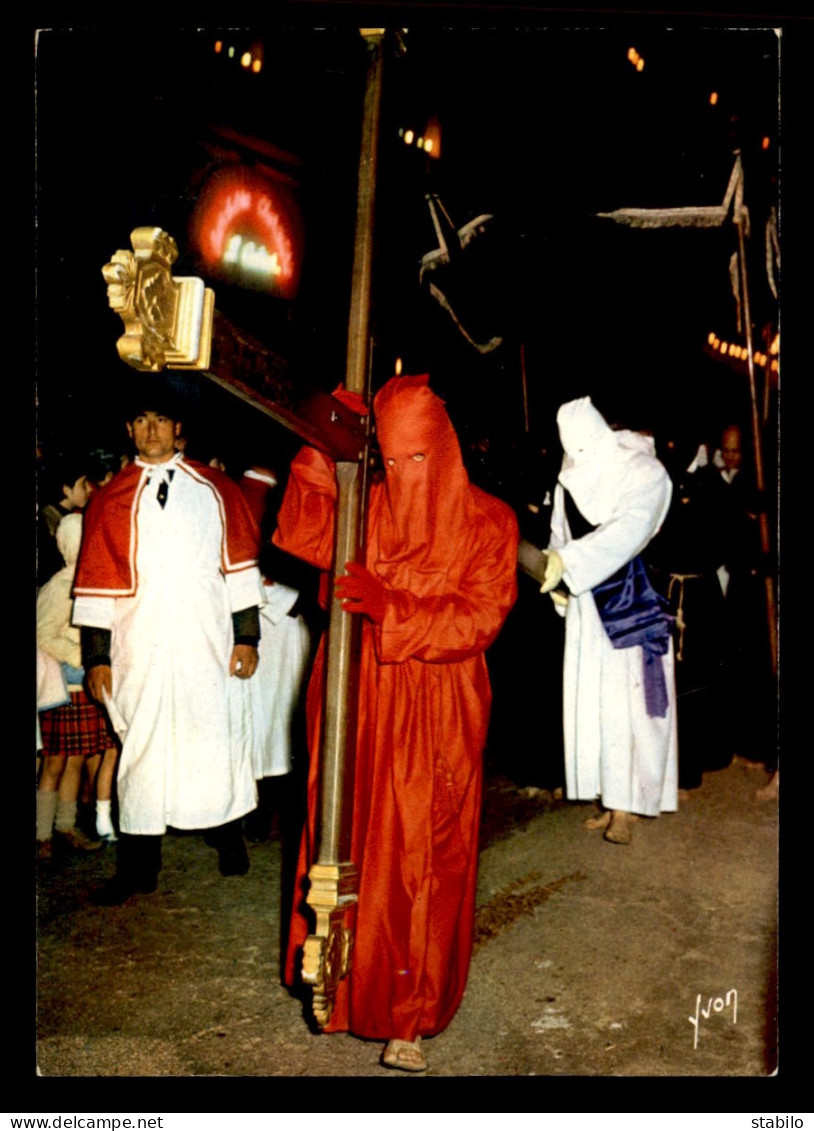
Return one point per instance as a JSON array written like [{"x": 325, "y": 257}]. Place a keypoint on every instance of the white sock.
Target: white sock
[
  {"x": 66, "y": 816},
  {"x": 104, "y": 820},
  {"x": 46, "y": 811}
]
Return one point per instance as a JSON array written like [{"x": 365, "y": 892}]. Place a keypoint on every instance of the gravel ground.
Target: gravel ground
[{"x": 589, "y": 960}]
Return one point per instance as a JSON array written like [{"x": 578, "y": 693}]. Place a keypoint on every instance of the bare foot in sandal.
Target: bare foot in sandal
[
  {"x": 600, "y": 822},
  {"x": 618, "y": 830},
  {"x": 406, "y": 1055}
]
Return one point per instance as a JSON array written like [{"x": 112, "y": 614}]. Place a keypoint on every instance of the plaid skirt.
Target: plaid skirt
[{"x": 80, "y": 728}]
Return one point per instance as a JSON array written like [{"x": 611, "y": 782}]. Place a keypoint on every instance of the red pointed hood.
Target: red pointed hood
[{"x": 427, "y": 492}]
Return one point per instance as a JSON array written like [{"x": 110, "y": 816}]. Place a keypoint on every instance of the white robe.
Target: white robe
[
  {"x": 263, "y": 707},
  {"x": 171, "y": 646},
  {"x": 613, "y": 749}
]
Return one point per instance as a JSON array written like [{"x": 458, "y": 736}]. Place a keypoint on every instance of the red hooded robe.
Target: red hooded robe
[{"x": 447, "y": 554}]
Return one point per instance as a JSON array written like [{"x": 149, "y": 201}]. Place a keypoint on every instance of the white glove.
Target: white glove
[
  {"x": 559, "y": 598},
  {"x": 553, "y": 571}
]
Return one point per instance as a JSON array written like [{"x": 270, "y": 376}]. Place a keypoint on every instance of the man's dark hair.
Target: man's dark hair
[{"x": 152, "y": 395}]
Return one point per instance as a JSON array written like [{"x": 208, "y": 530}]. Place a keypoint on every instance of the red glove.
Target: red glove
[
  {"x": 354, "y": 401},
  {"x": 360, "y": 592}
]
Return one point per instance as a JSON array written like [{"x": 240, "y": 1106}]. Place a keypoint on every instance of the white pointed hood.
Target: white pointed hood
[{"x": 596, "y": 459}]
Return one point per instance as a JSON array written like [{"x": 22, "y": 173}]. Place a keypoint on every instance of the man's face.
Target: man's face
[
  {"x": 731, "y": 449},
  {"x": 154, "y": 436},
  {"x": 77, "y": 494}
]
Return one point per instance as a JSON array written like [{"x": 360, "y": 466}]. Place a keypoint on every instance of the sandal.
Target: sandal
[{"x": 406, "y": 1055}]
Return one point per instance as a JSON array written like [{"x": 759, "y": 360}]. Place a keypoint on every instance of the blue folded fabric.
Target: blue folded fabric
[{"x": 634, "y": 613}]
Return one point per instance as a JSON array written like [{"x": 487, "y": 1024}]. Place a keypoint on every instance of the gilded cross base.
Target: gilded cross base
[{"x": 327, "y": 953}]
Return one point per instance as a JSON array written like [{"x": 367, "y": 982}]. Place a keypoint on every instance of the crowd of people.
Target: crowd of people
[{"x": 179, "y": 622}]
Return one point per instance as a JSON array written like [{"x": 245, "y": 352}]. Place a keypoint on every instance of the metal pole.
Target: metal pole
[{"x": 757, "y": 441}]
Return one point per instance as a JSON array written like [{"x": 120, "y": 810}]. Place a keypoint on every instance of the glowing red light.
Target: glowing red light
[{"x": 238, "y": 203}]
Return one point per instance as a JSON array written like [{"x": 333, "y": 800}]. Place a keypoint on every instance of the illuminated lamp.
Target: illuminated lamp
[
  {"x": 713, "y": 98},
  {"x": 248, "y": 230},
  {"x": 775, "y": 346},
  {"x": 408, "y": 137},
  {"x": 632, "y": 54},
  {"x": 218, "y": 46},
  {"x": 723, "y": 347},
  {"x": 231, "y": 52},
  {"x": 640, "y": 64},
  {"x": 432, "y": 137},
  {"x": 420, "y": 143},
  {"x": 398, "y": 367},
  {"x": 246, "y": 59},
  {"x": 256, "y": 66},
  {"x": 765, "y": 143}
]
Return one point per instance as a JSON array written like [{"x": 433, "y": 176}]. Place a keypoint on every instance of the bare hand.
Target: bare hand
[
  {"x": 100, "y": 680},
  {"x": 243, "y": 663}
]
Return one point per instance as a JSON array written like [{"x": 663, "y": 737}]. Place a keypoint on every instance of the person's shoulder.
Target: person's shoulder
[
  {"x": 645, "y": 464},
  {"x": 230, "y": 492},
  {"x": 120, "y": 485},
  {"x": 46, "y": 591},
  {"x": 212, "y": 475},
  {"x": 491, "y": 510}
]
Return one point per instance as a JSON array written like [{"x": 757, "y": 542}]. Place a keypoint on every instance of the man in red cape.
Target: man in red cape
[
  {"x": 167, "y": 592},
  {"x": 439, "y": 580}
]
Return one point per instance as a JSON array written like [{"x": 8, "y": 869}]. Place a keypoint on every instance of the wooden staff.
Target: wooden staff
[{"x": 333, "y": 881}]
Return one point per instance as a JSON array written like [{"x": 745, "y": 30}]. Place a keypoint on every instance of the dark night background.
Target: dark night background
[{"x": 541, "y": 126}]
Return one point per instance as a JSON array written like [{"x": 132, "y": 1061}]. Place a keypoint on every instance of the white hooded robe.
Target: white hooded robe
[{"x": 614, "y": 751}]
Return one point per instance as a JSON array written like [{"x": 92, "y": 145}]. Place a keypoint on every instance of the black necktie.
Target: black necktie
[{"x": 163, "y": 489}]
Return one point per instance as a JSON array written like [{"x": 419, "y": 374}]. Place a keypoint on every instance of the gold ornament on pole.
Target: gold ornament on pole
[{"x": 167, "y": 321}]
